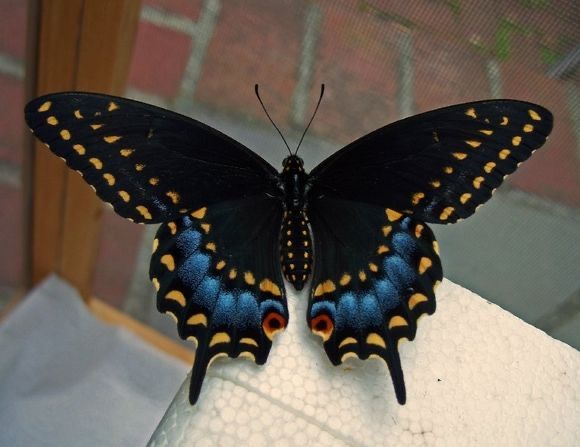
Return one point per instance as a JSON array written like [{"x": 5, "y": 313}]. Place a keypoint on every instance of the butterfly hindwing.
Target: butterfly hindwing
[
  {"x": 217, "y": 272},
  {"x": 149, "y": 163},
  {"x": 438, "y": 166},
  {"x": 374, "y": 275}
]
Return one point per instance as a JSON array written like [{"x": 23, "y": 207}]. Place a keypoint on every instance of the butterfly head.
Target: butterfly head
[{"x": 293, "y": 163}]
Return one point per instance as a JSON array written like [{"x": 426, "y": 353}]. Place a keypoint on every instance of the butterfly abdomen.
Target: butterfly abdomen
[
  {"x": 296, "y": 248},
  {"x": 295, "y": 240}
]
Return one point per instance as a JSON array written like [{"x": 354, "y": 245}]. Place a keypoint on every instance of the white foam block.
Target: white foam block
[{"x": 475, "y": 375}]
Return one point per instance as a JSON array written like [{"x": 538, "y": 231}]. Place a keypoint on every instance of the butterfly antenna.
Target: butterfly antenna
[
  {"x": 270, "y": 118},
  {"x": 311, "y": 119}
]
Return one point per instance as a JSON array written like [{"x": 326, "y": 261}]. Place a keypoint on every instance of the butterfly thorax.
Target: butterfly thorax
[{"x": 295, "y": 240}]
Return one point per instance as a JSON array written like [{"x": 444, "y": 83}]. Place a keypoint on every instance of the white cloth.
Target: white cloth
[{"x": 67, "y": 379}]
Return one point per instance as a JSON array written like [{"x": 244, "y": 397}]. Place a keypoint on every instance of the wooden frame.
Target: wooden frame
[{"x": 82, "y": 45}]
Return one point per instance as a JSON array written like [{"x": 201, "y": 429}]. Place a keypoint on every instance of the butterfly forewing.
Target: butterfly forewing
[
  {"x": 150, "y": 164},
  {"x": 438, "y": 166}
]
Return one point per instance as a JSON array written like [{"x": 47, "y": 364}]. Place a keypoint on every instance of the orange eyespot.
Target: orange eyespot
[
  {"x": 322, "y": 326},
  {"x": 273, "y": 323}
]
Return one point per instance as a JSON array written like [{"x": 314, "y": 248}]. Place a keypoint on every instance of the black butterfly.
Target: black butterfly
[{"x": 233, "y": 227}]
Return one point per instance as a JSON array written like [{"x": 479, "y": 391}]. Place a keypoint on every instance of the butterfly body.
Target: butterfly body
[
  {"x": 355, "y": 227},
  {"x": 295, "y": 239}
]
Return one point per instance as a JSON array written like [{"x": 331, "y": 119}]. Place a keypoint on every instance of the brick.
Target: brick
[
  {"x": 11, "y": 241},
  {"x": 12, "y": 126},
  {"x": 159, "y": 60},
  {"x": 118, "y": 247},
  {"x": 357, "y": 60},
  {"x": 446, "y": 73},
  {"x": 553, "y": 171},
  {"x": 254, "y": 42},
  {"x": 13, "y": 25},
  {"x": 189, "y": 8}
]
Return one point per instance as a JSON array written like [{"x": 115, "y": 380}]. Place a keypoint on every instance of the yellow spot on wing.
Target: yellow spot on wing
[
  {"x": 268, "y": 286},
  {"x": 96, "y": 163},
  {"x": 155, "y": 245},
  {"x": 418, "y": 230},
  {"x": 397, "y": 321},
  {"x": 504, "y": 121},
  {"x": 386, "y": 230},
  {"x": 144, "y": 212},
  {"x": 347, "y": 341},
  {"x": 448, "y": 170},
  {"x": 345, "y": 279},
  {"x": 126, "y": 152},
  {"x": 375, "y": 339},
  {"x": 477, "y": 182},
  {"x": 528, "y": 128},
  {"x": 373, "y": 267},
  {"x": 176, "y": 295},
  {"x": 516, "y": 140},
  {"x": 464, "y": 197},
  {"x": 249, "y": 278},
  {"x": 424, "y": 264},
  {"x": 393, "y": 215},
  {"x": 489, "y": 166},
  {"x": 348, "y": 355},
  {"x": 173, "y": 196},
  {"x": 110, "y": 178},
  {"x": 362, "y": 276},
  {"x": 111, "y": 138},
  {"x": 96, "y": 126},
  {"x": 534, "y": 115},
  {"x": 65, "y": 134},
  {"x": 168, "y": 261},
  {"x": 503, "y": 154},
  {"x": 112, "y": 106},
  {"x": 446, "y": 213},
  {"x": 417, "y": 197},
  {"x": 153, "y": 181},
  {"x": 486, "y": 131},
  {"x": 233, "y": 273},
  {"x": 210, "y": 246},
  {"x": 172, "y": 227},
  {"x": 325, "y": 287},
  {"x": 139, "y": 167},
  {"x": 205, "y": 227},
  {"x": 45, "y": 106},
  {"x": 52, "y": 120},
  {"x": 459, "y": 155},
  {"x": 417, "y": 298},
  {"x": 473, "y": 143},
  {"x": 220, "y": 337},
  {"x": 435, "y": 183},
  {"x": 155, "y": 282},
  {"x": 197, "y": 319},
  {"x": 124, "y": 195},
  {"x": 382, "y": 249},
  {"x": 200, "y": 213},
  {"x": 248, "y": 341},
  {"x": 220, "y": 265},
  {"x": 471, "y": 112},
  {"x": 436, "y": 247},
  {"x": 80, "y": 149},
  {"x": 78, "y": 114}
]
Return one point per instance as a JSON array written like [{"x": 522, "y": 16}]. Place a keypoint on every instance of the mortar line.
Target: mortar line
[{"x": 306, "y": 65}]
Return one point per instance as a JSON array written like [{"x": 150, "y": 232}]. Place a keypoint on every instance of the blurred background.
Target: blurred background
[{"x": 380, "y": 61}]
